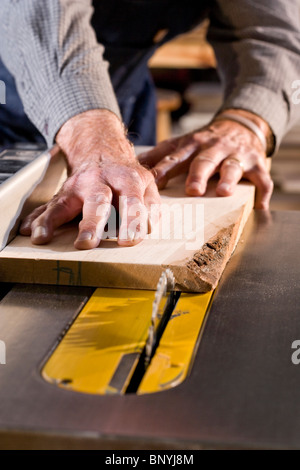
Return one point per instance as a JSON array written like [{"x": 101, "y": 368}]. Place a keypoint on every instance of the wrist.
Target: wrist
[
  {"x": 94, "y": 136},
  {"x": 261, "y": 127}
]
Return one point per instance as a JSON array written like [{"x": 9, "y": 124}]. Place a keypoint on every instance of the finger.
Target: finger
[
  {"x": 173, "y": 165},
  {"x": 201, "y": 169},
  {"x": 231, "y": 172},
  {"x": 153, "y": 156},
  {"x": 95, "y": 213},
  {"x": 134, "y": 221},
  {"x": 25, "y": 227},
  {"x": 134, "y": 214},
  {"x": 264, "y": 187},
  {"x": 153, "y": 204},
  {"x": 62, "y": 209}
]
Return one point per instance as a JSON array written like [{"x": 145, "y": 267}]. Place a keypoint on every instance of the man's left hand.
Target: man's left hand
[{"x": 224, "y": 147}]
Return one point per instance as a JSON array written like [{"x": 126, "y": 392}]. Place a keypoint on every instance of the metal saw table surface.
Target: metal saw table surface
[{"x": 242, "y": 391}]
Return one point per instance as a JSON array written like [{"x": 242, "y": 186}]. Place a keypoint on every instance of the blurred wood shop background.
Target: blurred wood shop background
[{"x": 189, "y": 93}]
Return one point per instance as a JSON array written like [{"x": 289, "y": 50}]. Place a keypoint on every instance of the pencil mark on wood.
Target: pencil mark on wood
[{"x": 74, "y": 279}]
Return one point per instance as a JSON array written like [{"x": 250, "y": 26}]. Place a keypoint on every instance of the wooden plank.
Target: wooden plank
[{"x": 197, "y": 265}]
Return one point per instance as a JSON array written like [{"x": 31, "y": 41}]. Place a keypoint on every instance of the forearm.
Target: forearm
[
  {"x": 51, "y": 49},
  {"x": 258, "y": 50}
]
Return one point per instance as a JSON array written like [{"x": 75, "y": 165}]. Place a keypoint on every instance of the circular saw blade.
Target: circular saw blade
[{"x": 165, "y": 284}]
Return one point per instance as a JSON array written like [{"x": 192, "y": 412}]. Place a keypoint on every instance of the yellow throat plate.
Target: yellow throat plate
[{"x": 99, "y": 353}]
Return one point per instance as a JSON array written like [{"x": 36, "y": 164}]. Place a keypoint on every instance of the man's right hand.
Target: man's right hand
[{"x": 103, "y": 170}]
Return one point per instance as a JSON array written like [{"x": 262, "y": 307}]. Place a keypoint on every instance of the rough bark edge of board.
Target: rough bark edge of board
[{"x": 202, "y": 272}]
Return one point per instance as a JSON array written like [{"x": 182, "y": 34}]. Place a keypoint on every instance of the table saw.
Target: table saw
[{"x": 74, "y": 367}]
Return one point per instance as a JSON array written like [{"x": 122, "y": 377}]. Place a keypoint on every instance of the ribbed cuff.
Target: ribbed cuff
[
  {"x": 68, "y": 97},
  {"x": 270, "y": 106}
]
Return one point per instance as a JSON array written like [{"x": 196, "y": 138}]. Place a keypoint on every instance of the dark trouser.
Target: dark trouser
[{"x": 15, "y": 126}]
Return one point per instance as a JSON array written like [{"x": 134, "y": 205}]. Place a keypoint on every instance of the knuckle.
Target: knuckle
[
  {"x": 159, "y": 172},
  {"x": 36, "y": 213},
  {"x": 269, "y": 186},
  {"x": 207, "y": 158},
  {"x": 103, "y": 210},
  {"x": 151, "y": 178},
  {"x": 211, "y": 136},
  {"x": 61, "y": 203},
  {"x": 104, "y": 192},
  {"x": 201, "y": 135},
  {"x": 135, "y": 174},
  {"x": 133, "y": 200},
  {"x": 257, "y": 166},
  {"x": 217, "y": 141},
  {"x": 170, "y": 158},
  {"x": 101, "y": 195},
  {"x": 69, "y": 185},
  {"x": 197, "y": 139},
  {"x": 258, "y": 159},
  {"x": 139, "y": 176},
  {"x": 155, "y": 194}
]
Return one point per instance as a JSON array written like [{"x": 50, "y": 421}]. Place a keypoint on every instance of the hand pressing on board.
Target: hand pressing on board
[
  {"x": 103, "y": 170},
  {"x": 224, "y": 146}
]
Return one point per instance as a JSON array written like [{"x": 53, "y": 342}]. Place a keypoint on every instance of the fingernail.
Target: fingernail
[
  {"x": 39, "y": 232},
  {"x": 225, "y": 187},
  {"x": 84, "y": 236},
  {"x": 196, "y": 187}
]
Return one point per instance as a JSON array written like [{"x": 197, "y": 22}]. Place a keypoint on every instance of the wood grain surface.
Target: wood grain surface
[{"x": 197, "y": 262}]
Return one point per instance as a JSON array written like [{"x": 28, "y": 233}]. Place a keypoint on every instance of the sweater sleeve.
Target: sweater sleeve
[
  {"x": 51, "y": 50},
  {"x": 257, "y": 45}
]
